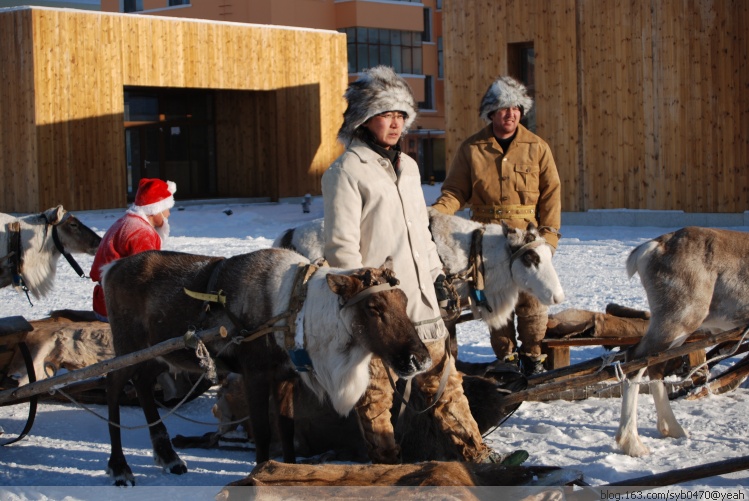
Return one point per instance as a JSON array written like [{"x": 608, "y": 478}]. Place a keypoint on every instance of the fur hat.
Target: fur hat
[
  {"x": 154, "y": 196},
  {"x": 378, "y": 90},
  {"x": 505, "y": 92}
]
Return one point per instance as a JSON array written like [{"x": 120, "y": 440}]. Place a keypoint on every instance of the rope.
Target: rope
[
  {"x": 139, "y": 427},
  {"x": 621, "y": 377}
]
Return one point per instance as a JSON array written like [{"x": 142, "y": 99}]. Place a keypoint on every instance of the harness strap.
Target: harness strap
[
  {"x": 363, "y": 294},
  {"x": 15, "y": 256},
  {"x": 15, "y": 253},
  {"x": 522, "y": 250},
  {"x": 404, "y": 399},
  {"x": 68, "y": 257},
  {"x": 219, "y": 297},
  {"x": 476, "y": 259}
]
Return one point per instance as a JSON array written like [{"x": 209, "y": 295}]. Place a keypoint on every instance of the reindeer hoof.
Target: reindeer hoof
[
  {"x": 122, "y": 482},
  {"x": 124, "y": 478},
  {"x": 632, "y": 446},
  {"x": 673, "y": 431},
  {"x": 178, "y": 468}
]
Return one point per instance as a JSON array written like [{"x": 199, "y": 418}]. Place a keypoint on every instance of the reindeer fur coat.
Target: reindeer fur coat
[{"x": 372, "y": 213}]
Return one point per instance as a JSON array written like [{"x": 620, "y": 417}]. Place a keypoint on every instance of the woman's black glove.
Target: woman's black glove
[{"x": 443, "y": 298}]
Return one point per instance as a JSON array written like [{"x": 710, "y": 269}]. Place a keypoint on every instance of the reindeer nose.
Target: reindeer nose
[
  {"x": 557, "y": 298},
  {"x": 423, "y": 365}
]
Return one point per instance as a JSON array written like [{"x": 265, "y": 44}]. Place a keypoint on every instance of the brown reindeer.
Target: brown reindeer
[
  {"x": 694, "y": 277},
  {"x": 340, "y": 325}
]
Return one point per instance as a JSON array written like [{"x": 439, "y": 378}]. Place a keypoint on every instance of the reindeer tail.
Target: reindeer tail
[{"x": 640, "y": 257}]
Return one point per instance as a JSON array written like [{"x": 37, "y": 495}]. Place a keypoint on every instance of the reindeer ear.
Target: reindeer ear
[
  {"x": 343, "y": 285},
  {"x": 54, "y": 215},
  {"x": 387, "y": 272},
  {"x": 388, "y": 263}
]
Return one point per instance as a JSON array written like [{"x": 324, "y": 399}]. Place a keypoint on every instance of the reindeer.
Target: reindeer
[
  {"x": 694, "y": 277},
  {"x": 30, "y": 247},
  {"x": 508, "y": 260},
  {"x": 346, "y": 318}
]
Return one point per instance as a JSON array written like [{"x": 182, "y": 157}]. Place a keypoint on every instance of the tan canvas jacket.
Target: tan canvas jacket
[{"x": 482, "y": 175}]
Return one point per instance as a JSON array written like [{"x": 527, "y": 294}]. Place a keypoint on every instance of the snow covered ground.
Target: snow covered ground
[{"x": 66, "y": 453}]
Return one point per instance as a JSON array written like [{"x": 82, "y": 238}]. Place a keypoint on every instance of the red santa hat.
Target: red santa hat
[{"x": 154, "y": 196}]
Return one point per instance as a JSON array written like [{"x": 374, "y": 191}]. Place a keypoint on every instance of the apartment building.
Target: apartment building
[{"x": 405, "y": 34}]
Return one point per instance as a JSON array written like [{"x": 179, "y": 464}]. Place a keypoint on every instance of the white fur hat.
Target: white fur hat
[
  {"x": 378, "y": 90},
  {"x": 504, "y": 92}
]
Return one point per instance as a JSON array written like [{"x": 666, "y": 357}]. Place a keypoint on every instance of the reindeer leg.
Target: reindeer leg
[
  {"x": 666, "y": 421},
  {"x": 163, "y": 452},
  {"x": 284, "y": 399},
  {"x": 257, "y": 387},
  {"x": 117, "y": 466},
  {"x": 627, "y": 436}
]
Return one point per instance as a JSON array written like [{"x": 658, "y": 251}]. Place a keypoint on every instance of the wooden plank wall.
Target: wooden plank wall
[
  {"x": 18, "y": 172},
  {"x": 82, "y": 61},
  {"x": 645, "y": 104},
  {"x": 79, "y": 110}
]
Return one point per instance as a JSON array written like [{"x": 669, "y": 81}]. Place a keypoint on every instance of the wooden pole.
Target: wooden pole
[
  {"x": 101, "y": 368},
  {"x": 688, "y": 474},
  {"x": 727, "y": 381},
  {"x": 609, "y": 372}
]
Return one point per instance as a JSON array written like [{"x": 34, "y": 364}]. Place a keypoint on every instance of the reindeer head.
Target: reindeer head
[
  {"x": 379, "y": 318},
  {"x": 73, "y": 234},
  {"x": 531, "y": 266}
]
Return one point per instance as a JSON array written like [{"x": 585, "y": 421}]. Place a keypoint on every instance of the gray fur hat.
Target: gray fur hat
[
  {"x": 504, "y": 92},
  {"x": 378, "y": 90}
]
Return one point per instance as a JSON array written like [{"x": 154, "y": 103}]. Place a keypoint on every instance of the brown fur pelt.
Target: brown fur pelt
[
  {"x": 58, "y": 343},
  {"x": 321, "y": 432},
  {"x": 613, "y": 323},
  {"x": 432, "y": 473}
]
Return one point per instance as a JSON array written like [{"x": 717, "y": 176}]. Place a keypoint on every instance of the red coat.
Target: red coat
[{"x": 129, "y": 235}]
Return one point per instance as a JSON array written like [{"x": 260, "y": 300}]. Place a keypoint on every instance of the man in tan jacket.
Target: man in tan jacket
[{"x": 507, "y": 173}]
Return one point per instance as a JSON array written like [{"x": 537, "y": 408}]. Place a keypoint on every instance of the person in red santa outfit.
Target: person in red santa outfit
[{"x": 145, "y": 226}]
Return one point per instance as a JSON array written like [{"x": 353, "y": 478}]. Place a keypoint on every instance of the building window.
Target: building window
[
  {"x": 428, "y": 102},
  {"x": 440, "y": 59},
  {"x": 439, "y": 4},
  {"x": 426, "y": 35},
  {"x": 132, "y": 5},
  {"x": 521, "y": 64},
  {"x": 368, "y": 47},
  {"x": 172, "y": 3}
]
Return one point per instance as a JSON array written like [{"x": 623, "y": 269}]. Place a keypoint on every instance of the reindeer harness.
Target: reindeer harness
[
  {"x": 474, "y": 273},
  {"x": 296, "y": 350}
]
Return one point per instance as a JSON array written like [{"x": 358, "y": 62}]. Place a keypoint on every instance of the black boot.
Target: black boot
[{"x": 532, "y": 365}]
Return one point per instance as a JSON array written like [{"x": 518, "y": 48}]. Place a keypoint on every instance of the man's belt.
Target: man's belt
[{"x": 515, "y": 211}]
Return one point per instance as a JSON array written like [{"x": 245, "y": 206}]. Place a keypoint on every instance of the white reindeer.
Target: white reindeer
[
  {"x": 513, "y": 260},
  {"x": 694, "y": 278},
  {"x": 43, "y": 239}
]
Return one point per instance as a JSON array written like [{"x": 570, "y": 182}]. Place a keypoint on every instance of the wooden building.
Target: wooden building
[
  {"x": 91, "y": 102},
  {"x": 645, "y": 104}
]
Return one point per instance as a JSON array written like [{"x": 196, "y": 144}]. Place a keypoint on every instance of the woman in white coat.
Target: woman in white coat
[{"x": 375, "y": 208}]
